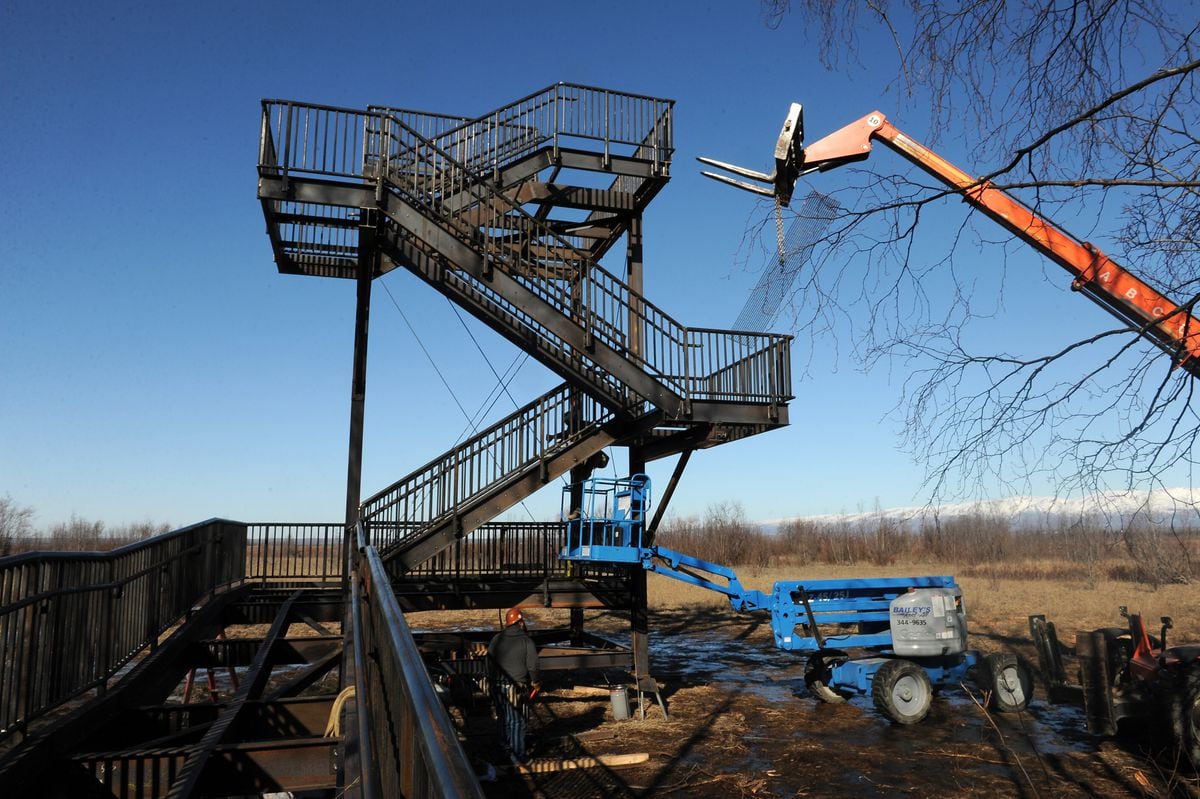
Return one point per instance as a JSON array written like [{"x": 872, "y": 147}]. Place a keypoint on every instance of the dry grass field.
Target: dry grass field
[
  {"x": 1000, "y": 604},
  {"x": 742, "y": 723}
]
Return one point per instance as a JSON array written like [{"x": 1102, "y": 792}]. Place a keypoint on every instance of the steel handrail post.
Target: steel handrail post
[
  {"x": 287, "y": 143},
  {"x": 263, "y": 135},
  {"x": 366, "y": 749},
  {"x": 106, "y": 632},
  {"x": 25, "y": 677},
  {"x": 607, "y": 133},
  {"x": 557, "y": 118}
]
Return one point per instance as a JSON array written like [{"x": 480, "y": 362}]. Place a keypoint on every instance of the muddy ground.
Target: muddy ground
[{"x": 742, "y": 723}]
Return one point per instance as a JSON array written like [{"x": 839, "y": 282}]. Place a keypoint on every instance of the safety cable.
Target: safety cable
[
  {"x": 442, "y": 377},
  {"x": 486, "y": 359},
  {"x": 502, "y": 384},
  {"x": 421, "y": 344},
  {"x": 489, "y": 402}
]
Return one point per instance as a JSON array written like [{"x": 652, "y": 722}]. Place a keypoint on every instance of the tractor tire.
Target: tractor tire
[
  {"x": 1120, "y": 646},
  {"x": 1123, "y": 636},
  {"x": 1120, "y": 649},
  {"x": 816, "y": 678},
  {"x": 1185, "y": 716},
  {"x": 901, "y": 691},
  {"x": 1009, "y": 682}
]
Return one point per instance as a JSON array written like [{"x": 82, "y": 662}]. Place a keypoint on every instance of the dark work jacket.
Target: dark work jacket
[{"x": 514, "y": 652}]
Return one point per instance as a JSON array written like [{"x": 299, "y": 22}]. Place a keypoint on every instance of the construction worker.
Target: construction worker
[{"x": 513, "y": 659}]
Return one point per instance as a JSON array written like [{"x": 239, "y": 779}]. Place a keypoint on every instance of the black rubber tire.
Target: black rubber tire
[
  {"x": 1123, "y": 635},
  {"x": 1185, "y": 716},
  {"x": 901, "y": 691},
  {"x": 816, "y": 678},
  {"x": 1009, "y": 682}
]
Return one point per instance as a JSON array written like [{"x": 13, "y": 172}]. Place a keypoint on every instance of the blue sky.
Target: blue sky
[{"x": 153, "y": 363}]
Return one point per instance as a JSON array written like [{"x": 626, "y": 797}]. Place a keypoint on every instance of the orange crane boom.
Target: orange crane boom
[{"x": 1171, "y": 326}]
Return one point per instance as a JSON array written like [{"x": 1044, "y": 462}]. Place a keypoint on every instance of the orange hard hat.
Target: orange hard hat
[{"x": 512, "y": 617}]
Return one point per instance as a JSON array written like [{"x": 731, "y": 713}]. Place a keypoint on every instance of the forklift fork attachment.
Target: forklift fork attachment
[{"x": 789, "y": 154}]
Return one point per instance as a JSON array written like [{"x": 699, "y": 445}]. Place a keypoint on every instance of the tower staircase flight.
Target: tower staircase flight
[{"x": 481, "y": 210}]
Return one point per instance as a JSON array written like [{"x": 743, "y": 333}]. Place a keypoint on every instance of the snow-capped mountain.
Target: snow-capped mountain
[{"x": 1180, "y": 506}]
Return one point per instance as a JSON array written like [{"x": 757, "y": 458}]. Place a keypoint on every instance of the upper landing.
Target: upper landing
[{"x": 583, "y": 161}]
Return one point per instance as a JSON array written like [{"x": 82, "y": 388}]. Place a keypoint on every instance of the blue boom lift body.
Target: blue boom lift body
[{"x": 908, "y": 633}]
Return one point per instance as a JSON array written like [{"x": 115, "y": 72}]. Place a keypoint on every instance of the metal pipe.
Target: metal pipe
[
  {"x": 366, "y": 751},
  {"x": 669, "y": 492}
]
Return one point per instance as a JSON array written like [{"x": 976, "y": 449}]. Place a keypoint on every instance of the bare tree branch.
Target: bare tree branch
[{"x": 1089, "y": 109}]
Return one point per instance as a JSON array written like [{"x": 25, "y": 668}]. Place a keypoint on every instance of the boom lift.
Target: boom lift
[
  {"x": 894, "y": 638},
  {"x": 1169, "y": 325},
  {"x": 1123, "y": 672}
]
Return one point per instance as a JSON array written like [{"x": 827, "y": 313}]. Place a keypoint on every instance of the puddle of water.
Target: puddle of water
[{"x": 778, "y": 678}]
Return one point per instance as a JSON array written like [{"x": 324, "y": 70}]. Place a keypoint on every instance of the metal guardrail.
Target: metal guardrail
[
  {"x": 734, "y": 366},
  {"x": 295, "y": 553},
  {"x": 70, "y": 620},
  {"x": 530, "y": 251},
  {"x": 522, "y": 440},
  {"x": 413, "y": 746},
  {"x": 342, "y": 143},
  {"x": 500, "y": 550},
  {"x": 626, "y": 124}
]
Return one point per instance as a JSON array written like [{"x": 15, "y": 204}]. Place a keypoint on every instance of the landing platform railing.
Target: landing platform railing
[
  {"x": 286, "y": 552},
  {"x": 561, "y": 115},
  {"x": 70, "y": 620},
  {"x": 508, "y": 550},
  {"x": 324, "y": 142}
]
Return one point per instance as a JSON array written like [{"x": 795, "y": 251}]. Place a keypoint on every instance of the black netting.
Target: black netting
[{"x": 811, "y": 221}]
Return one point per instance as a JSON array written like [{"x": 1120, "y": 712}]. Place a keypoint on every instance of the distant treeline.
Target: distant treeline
[
  {"x": 18, "y": 533},
  {"x": 974, "y": 544},
  {"x": 978, "y": 544}
]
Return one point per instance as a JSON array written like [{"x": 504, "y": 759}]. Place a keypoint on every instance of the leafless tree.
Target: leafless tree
[
  {"x": 16, "y": 523},
  {"x": 1083, "y": 110},
  {"x": 78, "y": 534}
]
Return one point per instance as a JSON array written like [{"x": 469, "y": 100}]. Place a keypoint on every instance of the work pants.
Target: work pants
[{"x": 512, "y": 715}]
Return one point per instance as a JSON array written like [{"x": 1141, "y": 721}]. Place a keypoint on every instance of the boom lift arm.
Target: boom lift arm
[
  {"x": 909, "y": 633},
  {"x": 1171, "y": 326}
]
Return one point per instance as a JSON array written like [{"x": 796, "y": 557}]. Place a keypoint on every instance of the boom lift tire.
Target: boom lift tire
[
  {"x": 1185, "y": 716},
  {"x": 816, "y": 677},
  {"x": 1009, "y": 681},
  {"x": 902, "y": 691}
]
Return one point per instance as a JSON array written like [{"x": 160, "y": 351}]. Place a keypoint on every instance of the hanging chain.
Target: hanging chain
[{"x": 779, "y": 233}]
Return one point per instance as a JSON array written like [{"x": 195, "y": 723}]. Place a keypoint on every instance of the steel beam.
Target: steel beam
[
  {"x": 256, "y": 767},
  {"x": 252, "y": 685},
  {"x": 479, "y": 593},
  {"x": 604, "y": 200},
  {"x": 242, "y": 651},
  {"x": 153, "y": 676}
]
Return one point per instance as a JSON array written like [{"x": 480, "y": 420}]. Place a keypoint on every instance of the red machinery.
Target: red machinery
[
  {"x": 1123, "y": 672},
  {"x": 1171, "y": 326}
]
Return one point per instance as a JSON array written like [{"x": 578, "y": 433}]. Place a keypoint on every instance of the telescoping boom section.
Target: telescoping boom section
[
  {"x": 895, "y": 638},
  {"x": 1169, "y": 325}
]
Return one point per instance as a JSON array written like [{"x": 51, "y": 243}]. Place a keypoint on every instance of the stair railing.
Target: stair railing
[
  {"x": 626, "y": 124},
  {"x": 325, "y": 141},
  {"x": 531, "y": 252},
  {"x": 523, "y": 440}
]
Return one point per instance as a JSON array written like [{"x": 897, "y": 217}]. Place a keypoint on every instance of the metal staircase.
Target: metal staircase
[
  {"x": 421, "y": 514},
  {"x": 478, "y": 208}
]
